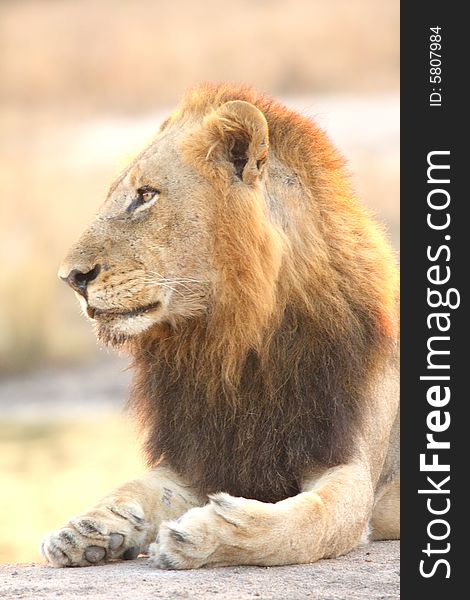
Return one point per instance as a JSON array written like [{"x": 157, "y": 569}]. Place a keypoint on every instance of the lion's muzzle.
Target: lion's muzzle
[{"x": 96, "y": 313}]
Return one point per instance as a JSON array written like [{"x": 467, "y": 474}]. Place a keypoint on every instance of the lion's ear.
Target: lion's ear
[{"x": 240, "y": 137}]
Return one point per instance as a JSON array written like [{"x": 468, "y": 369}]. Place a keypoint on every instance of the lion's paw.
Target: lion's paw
[
  {"x": 108, "y": 532},
  {"x": 227, "y": 531}
]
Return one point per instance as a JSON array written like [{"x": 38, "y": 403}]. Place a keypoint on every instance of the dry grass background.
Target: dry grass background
[
  {"x": 132, "y": 54},
  {"x": 82, "y": 86}
]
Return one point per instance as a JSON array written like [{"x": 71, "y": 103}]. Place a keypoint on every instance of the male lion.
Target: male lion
[{"x": 258, "y": 301}]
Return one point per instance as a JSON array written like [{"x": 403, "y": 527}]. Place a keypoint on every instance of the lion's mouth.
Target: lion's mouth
[{"x": 97, "y": 313}]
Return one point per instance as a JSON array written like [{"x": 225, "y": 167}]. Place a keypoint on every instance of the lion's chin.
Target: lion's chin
[{"x": 118, "y": 330}]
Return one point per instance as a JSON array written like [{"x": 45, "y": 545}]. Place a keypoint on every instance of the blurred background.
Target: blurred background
[{"x": 84, "y": 85}]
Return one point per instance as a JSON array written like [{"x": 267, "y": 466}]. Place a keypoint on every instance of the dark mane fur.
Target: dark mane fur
[{"x": 258, "y": 439}]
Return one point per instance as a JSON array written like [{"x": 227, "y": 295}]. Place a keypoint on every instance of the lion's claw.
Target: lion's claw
[
  {"x": 216, "y": 534},
  {"x": 101, "y": 535},
  {"x": 95, "y": 554},
  {"x": 115, "y": 541}
]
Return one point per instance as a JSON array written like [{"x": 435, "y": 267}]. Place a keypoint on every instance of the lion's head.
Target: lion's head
[
  {"x": 257, "y": 297},
  {"x": 157, "y": 250}
]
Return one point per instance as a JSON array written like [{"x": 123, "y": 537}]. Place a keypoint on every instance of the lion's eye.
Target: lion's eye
[
  {"x": 147, "y": 195},
  {"x": 144, "y": 196}
]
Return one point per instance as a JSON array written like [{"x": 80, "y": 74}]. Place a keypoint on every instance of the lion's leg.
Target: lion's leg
[
  {"x": 122, "y": 524},
  {"x": 327, "y": 519},
  {"x": 385, "y": 521}
]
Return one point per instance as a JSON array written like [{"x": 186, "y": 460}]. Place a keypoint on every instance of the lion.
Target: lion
[{"x": 258, "y": 302}]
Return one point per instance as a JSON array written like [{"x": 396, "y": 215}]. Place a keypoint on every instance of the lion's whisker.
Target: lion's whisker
[
  {"x": 168, "y": 286},
  {"x": 175, "y": 281}
]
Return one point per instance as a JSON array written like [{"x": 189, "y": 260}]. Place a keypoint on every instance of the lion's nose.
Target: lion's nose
[{"x": 79, "y": 280}]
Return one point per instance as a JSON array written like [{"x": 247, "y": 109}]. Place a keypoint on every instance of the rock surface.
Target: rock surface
[{"x": 371, "y": 572}]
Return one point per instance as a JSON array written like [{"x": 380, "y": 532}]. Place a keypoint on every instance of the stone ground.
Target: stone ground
[{"x": 371, "y": 573}]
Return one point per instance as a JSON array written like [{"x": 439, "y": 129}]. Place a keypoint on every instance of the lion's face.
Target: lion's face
[
  {"x": 148, "y": 256},
  {"x": 145, "y": 257}
]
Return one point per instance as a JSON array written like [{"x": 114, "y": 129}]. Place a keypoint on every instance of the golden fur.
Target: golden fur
[{"x": 259, "y": 302}]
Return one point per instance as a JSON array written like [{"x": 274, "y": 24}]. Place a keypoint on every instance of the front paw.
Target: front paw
[
  {"x": 227, "y": 531},
  {"x": 117, "y": 530}
]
